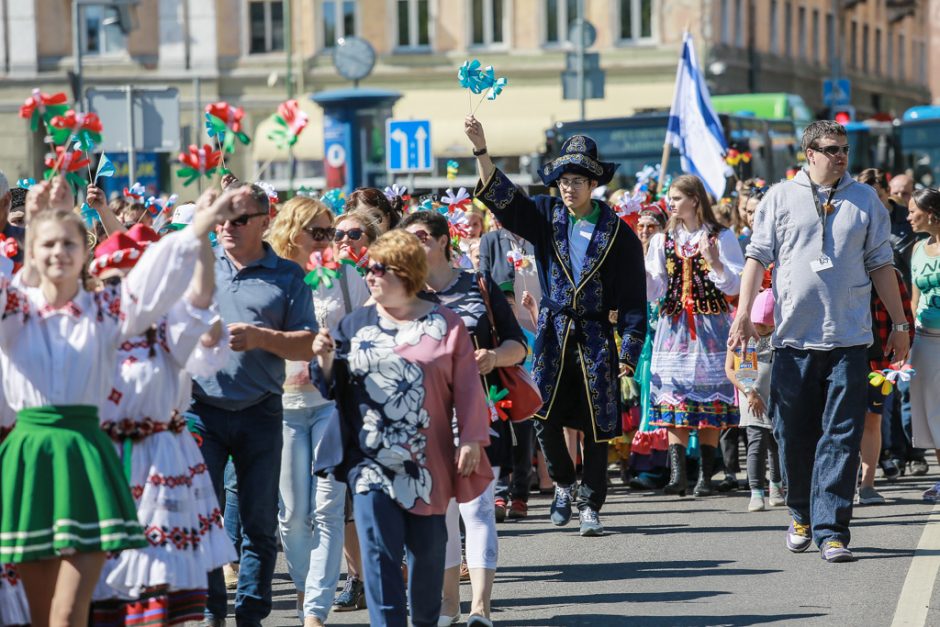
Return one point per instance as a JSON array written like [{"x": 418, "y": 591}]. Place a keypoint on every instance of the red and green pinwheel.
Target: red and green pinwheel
[
  {"x": 68, "y": 163},
  {"x": 44, "y": 107},
  {"x": 291, "y": 122},
  {"x": 322, "y": 268},
  {"x": 84, "y": 128},
  {"x": 224, "y": 123},
  {"x": 198, "y": 162}
]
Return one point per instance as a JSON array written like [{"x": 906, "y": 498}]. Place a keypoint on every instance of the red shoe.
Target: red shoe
[
  {"x": 518, "y": 510},
  {"x": 500, "y": 504}
]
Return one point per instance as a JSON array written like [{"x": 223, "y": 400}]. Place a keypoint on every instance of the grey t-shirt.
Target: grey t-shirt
[{"x": 268, "y": 293}]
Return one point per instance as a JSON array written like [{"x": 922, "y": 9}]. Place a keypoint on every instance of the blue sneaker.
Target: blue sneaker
[
  {"x": 561, "y": 505},
  {"x": 834, "y": 551},
  {"x": 798, "y": 537},
  {"x": 590, "y": 522}
]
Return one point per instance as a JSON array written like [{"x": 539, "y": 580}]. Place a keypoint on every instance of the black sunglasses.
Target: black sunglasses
[
  {"x": 243, "y": 219},
  {"x": 353, "y": 234},
  {"x": 832, "y": 151},
  {"x": 378, "y": 269},
  {"x": 319, "y": 233}
]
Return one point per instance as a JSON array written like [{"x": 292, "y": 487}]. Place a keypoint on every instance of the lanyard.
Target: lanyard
[{"x": 823, "y": 211}]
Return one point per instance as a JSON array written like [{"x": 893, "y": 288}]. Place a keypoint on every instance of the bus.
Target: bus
[
  {"x": 637, "y": 141},
  {"x": 771, "y": 106},
  {"x": 919, "y": 132}
]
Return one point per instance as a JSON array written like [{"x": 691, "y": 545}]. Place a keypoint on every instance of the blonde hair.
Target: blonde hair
[
  {"x": 62, "y": 216},
  {"x": 366, "y": 218},
  {"x": 403, "y": 253},
  {"x": 293, "y": 216}
]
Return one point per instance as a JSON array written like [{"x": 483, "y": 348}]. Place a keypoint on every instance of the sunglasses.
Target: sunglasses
[
  {"x": 422, "y": 235},
  {"x": 112, "y": 281},
  {"x": 832, "y": 151},
  {"x": 353, "y": 234},
  {"x": 378, "y": 269},
  {"x": 242, "y": 220},
  {"x": 319, "y": 233}
]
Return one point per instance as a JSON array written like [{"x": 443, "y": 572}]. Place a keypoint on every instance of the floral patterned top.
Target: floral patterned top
[{"x": 396, "y": 385}]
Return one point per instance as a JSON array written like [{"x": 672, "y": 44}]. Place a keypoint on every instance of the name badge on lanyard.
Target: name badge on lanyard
[{"x": 823, "y": 261}]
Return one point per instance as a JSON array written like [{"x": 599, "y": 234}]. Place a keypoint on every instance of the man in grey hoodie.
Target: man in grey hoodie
[{"x": 827, "y": 237}]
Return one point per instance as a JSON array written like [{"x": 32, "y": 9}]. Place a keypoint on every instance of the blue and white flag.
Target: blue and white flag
[
  {"x": 105, "y": 168},
  {"x": 694, "y": 128}
]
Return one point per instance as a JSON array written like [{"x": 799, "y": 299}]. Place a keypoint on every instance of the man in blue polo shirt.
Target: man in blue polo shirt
[{"x": 269, "y": 313}]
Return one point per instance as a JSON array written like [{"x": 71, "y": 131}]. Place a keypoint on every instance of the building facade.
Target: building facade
[{"x": 234, "y": 50}]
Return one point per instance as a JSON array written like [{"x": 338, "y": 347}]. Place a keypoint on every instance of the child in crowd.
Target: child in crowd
[{"x": 755, "y": 415}]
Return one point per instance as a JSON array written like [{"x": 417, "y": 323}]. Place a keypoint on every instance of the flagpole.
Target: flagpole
[{"x": 667, "y": 147}]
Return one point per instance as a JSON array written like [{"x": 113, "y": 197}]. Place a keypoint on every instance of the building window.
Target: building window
[
  {"x": 801, "y": 31},
  {"x": 853, "y": 45},
  {"x": 265, "y": 26},
  {"x": 559, "y": 15},
  {"x": 636, "y": 20},
  {"x": 890, "y": 57},
  {"x": 413, "y": 24},
  {"x": 830, "y": 38},
  {"x": 339, "y": 20},
  {"x": 788, "y": 29},
  {"x": 865, "y": 33},
  {"x": 902, "y": 70},
  {"x": 488, "y": 22},
  {"x": 725, "y": 18},
  {"x": 878, "y": 51},
  {"x": 739, "y": 23},
  {"x": 816, "y": 51},
  {"x": 774, "y": 34},
  {"x": 102, "y": 34}
]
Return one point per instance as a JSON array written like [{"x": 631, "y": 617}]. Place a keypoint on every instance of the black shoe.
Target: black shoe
[
  {"x": 353, "y": 596},
  {"x": 891, "y": 469},
  {"x": 678, "y": 484},
  {"x": 728, "y": 484},
  {"x": 643, "y": 482},
  {"x": 919, "y": 467},
  {"x": 704, "y": 485}
]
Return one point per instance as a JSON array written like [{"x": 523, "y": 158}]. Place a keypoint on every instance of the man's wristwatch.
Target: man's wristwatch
[
  {"x": 480, "y": 152},
  {"x": 904, "y": 327}
]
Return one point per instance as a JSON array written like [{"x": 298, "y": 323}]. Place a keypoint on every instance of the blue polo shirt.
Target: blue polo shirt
[{"x": 268, "y": 293}]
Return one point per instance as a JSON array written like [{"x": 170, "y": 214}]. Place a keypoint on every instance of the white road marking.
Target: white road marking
[{"x": 914, "y": 601}]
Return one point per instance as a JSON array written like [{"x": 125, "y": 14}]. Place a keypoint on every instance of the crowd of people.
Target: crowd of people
[{"x": 367, "y": 383}]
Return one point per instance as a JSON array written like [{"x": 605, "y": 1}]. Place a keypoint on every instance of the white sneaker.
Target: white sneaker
[
  {"x": 756, "y": 504},
  {"x": 869, "y": 496},
  {"x": 777, "y": 497}
]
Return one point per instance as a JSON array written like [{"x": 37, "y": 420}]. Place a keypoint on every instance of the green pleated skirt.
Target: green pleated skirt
[{"x": 62, "y": 489}]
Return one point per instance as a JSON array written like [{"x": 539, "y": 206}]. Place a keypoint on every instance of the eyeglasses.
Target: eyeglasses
[
  {"x": 378, "y": 269},
  {"x": 572, "y": 183},
  {"x": 353, "y": 234},
  {"x": 243, "y": 219},
  {"x": 832, "y": 151},
  {"x": 422, "y": 235},
  {"x": 112, "y": 281},
  {"x": 319, "y": 233}
]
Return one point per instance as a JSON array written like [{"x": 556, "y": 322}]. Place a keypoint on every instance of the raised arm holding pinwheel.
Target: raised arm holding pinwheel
[{"x": 590, "y": 264}]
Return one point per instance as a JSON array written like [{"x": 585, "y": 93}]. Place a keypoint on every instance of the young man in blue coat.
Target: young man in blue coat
[{"x": 591, "y": 271}]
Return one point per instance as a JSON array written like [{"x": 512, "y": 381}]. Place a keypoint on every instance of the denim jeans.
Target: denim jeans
[
  {"x": 252, "y": 437},
  {"x": 385, "y": 531},
  {"x": 819, "y": 398},
  {"x": 514, "y": 482},
  {"x": 233, "y": 525},
  {"x": 312, "y": 508}
]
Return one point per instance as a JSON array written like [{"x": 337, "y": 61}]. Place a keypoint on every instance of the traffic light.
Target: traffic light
[{"x": 843, "y": 114}]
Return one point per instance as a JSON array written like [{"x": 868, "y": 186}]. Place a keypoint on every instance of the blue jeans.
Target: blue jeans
[
  {"x": 312, "y": 511},
  {"x": 233, "y": 526},
  {"x": 252, "y": 437},
  {"x": 385, "y": 531},
  {"x": 820, "y": 399}
]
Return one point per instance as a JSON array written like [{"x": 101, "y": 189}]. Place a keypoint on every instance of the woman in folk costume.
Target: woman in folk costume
[
  {"x": 164, "y": 583},
  {"x": 693, "y": 266},
  {"x": 64, "y": 500},
  {"x": 586, "y": 258}
]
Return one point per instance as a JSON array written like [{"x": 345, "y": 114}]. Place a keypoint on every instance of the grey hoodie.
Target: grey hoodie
[{"x": 831, "y": 308}]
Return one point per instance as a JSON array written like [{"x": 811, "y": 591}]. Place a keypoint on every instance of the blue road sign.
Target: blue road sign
[
  {"x": 408, "y": 146},
  {"x": 837, "y": 92}
]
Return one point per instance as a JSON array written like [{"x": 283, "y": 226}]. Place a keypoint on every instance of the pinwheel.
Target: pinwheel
[
  {"x": 357, "y": 259},
  {"x": 427, "y": 204},
  {"x": 457, "y": 202},
  {"x": 84, "y": 128},
  {"x": 135, "y": 192},
  {"x": 733, "y": 157},
  {"x": 452, "y": 169},
  {"x": 198, "y": 162},
  {"x": 335, "y": 199},
  {"x": 271, "y": 194},
  {"x": 89, "y": 215},
  {"x": 517, "y": 259},
  {"x": 40, "y": 106},
  {"x": 397, "y": 191},
  {"x": 224, "y": 123},
  {"x": 497, "y": 88},
  {"x": 68, "y": 162},
  {"x": 291, "y": 122},
  {"x": 903, "y": 374},
  {"x": 471, "y": 77},
  {"x": 9, "y": 247},
  {"x": 497, "y": 399},
  {"x": 877, "y": 379},
  {"x": 458, "y": 225},
  {"x": 628, "y": 208},
  {"x": 25, "y": 183},
  {"x": 322, "y": 268},
  {"x": 155, "y": 206}
]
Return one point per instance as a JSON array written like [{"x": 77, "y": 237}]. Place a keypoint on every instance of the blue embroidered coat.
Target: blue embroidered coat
[{"x": 576, "y": 317}]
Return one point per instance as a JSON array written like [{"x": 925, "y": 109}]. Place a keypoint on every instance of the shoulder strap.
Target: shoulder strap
[
  {"x": 344, "y": 286},
  {"x": 485, "y": 293}
]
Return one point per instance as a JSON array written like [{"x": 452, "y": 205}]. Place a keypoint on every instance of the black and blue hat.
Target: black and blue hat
[{"x": 578, "y": 156}]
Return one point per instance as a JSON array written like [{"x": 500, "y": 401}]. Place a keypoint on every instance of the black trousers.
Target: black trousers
[
  {"x": 571, "y": 409},
  {"x": 514, "y": 482}
]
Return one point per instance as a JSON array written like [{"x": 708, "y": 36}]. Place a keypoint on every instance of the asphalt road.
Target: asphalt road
[{"x": 672, "y": 561}]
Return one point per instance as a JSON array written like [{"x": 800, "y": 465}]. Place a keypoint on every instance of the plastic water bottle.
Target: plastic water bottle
[{"x": 746, "y": 368}]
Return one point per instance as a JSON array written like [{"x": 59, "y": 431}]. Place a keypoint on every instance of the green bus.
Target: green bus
[{"x": 771, "y": 106}]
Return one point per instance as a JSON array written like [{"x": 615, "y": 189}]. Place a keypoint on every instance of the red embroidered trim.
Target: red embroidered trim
[{"x": 139, "y": 430}]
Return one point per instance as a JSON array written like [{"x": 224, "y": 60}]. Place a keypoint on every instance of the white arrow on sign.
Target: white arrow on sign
[
  {"x": 399, "y": 136},
  {"x": 420, "y": 136}
]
